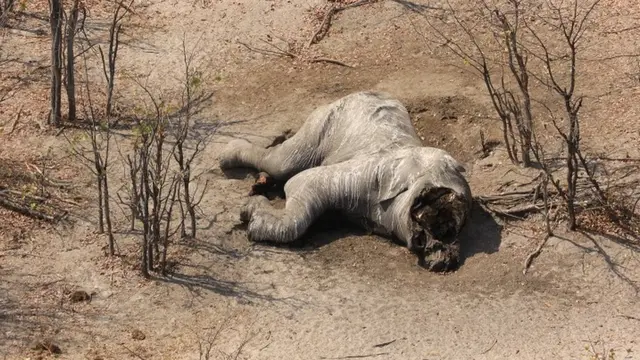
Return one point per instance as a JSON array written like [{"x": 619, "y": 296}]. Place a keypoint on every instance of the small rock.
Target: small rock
[
  {"x": 79, "y": 295},
  {"x": 137, "y": 335}
]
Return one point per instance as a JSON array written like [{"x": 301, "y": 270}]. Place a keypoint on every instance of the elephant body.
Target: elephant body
[{"x": 359, "y": 155}]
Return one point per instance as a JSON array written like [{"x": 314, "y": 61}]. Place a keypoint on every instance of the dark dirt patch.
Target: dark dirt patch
[{"x": 452, "y": 123}]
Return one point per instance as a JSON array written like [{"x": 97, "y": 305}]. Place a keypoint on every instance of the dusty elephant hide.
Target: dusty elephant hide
[{"x": 360, "y": 155}]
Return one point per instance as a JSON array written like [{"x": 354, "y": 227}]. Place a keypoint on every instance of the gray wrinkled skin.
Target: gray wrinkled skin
[{"x": 360, "y": 155}]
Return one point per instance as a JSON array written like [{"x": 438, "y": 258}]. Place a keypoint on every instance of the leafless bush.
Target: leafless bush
[
  {"x": 109, "y": 65},
  {"x": 486, "y": 36},
  {"x": 98, "y": 131},
  {"x": 208, "y": 339},
  {"x": 509, "y": 43},
  {"x": 192, "y": 97},
  {"x": 160, "y": 167},
  {"x": 96, "y": 156},
  {"x": 153, "y": 185},
  {"x": 527, "y": 55}
]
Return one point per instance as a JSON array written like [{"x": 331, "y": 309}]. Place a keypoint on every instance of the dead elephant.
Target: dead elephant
[{"x": 360, "y": 155}]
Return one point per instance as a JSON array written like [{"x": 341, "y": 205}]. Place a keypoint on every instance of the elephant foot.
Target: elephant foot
[{"x": 251, "y": 206}]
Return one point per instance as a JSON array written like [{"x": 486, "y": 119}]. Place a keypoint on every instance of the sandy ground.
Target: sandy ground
[{"x": 343, "y": 294}]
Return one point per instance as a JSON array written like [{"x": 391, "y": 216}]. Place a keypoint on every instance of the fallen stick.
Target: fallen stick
[
  {"x": 384, "y": 344},
  {"x": 70, "y": 202},
  {"x": 354, "y": 356},
  {"x": 284, "y": 53},
  {"x": 58, "y": 184},
  {"x": 326, "y": 21},
  {"x": 495, "y": 341},
  {"x": 618, "y": 159},
  {"x": 534, "y": 254},
  {"x": 15, "y": 123},
  {"x": 629, "y": 317},
  {"x": 27, "y": 211},
  {"x": 267, "y": 51},
  {"x": 330, "y": 61}
]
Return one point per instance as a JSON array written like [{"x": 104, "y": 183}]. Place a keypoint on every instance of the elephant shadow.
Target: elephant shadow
[{"x": 481, "y": 233}]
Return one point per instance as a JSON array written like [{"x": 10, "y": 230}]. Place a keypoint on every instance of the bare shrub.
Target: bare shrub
[
  {"x": 152, "y": 184},
  {"x": 527, "y": 55},
  {"x": 191, "y": 100},
  {"x": 160, "y": 166},
  {"x": 109, "y": 65},
  {"x": 96, "y": 156},
  {"x": 504, "y": 42},
  {"x": 487, "y": 38}
]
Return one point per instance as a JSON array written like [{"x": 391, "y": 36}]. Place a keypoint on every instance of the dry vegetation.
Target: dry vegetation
[{"x": 112, "y": 154}]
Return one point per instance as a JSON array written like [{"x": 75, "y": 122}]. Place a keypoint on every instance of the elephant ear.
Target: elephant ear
[{"x": 394, "y": 177}]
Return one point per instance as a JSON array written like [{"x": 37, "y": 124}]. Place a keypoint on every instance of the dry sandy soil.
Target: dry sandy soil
[{"x": 342, "y": 294}]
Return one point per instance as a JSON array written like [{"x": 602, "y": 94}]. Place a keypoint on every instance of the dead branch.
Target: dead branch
[
  {"x": 29, "y": 210},
  {"x": 330, "y": 61},
  {"x": 38, "y": 198},
  {"x": 517, "y": 212},
  {"x": 629, "y": 317},
  {"x": 285, "y": 53},
  {"x": 322, "y": 31},
  {"x": 354, "y": 356},
  {"x": 67, "y": 201},
  {"x": 547, "y": 220},
  {"x": 133, "y": 352},
  {"x": 534, "y": 254},
  {"x": 603, "y": 158},
  {"x": 386, "y": 343},
  {"x": 521, "y": 203},
  {"x": 324, "y": 26},
  {"x": 16, "y": 121},
  {"x": 495, "y": 341},
  {"x": 263, "y": 51},
  {"x": 51, "y": 182}
]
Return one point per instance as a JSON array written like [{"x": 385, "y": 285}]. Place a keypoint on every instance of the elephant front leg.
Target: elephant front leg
[
  {"x": 253, "y": 204},
  {"x": 268, "y": 224}
]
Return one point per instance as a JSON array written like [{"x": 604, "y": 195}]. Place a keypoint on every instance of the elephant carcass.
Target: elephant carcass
[{"x": 360, "y": 155}]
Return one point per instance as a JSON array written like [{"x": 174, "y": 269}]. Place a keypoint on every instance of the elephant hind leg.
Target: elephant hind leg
[
  {"x": 302, "y": 208},
  {"x": 288, "y": 155}
]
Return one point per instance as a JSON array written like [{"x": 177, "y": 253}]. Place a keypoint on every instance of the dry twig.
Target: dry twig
[
  {"x": 326, "y": 22},
  {"x": 495, "y": 341},
  {"x": 355, "y": 356},
  {"x": 27, "y": 210},
  {"x": 285, "y": 53},
  {"x": 534, "y": 254},
  {"x": 15, "y": 122}
]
